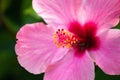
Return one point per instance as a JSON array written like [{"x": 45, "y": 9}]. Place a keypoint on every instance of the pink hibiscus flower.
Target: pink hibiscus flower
[{"x": 79, "y": 33}]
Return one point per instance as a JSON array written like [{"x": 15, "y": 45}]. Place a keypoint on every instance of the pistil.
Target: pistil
[{"x": 63, "y": 38}]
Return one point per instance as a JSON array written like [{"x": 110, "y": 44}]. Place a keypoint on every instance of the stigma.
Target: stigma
[{"x": 64, "y": 38}]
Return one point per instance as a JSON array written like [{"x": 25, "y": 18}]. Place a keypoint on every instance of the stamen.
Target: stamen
[{"x": 63, "y": 38}]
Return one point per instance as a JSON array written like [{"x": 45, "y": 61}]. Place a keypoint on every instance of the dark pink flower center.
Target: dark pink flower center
[
  {"x": 79, "y": 37},
  {"x": 86, "y": 35}
]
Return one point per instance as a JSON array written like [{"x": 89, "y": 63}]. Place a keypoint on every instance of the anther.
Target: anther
[{"x": 63, "y": 38}]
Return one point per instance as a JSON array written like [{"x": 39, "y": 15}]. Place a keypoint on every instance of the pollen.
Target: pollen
[{"x": 63, "y": 38}]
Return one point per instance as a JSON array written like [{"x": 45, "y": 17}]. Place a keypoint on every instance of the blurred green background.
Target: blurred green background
[{"x": 13, "y": 15}]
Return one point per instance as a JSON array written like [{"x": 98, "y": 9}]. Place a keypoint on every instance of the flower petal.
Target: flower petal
[
  {"x": 35, "y": 47},
  {"x": 71, "y": 68},
  {"x": 108, "y": 56},
  {"x": 57, "y": 12},
  {"x": 104, "y": 12}
]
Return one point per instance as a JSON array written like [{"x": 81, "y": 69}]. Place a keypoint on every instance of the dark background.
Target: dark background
[{"x": 13, "y": 15}]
